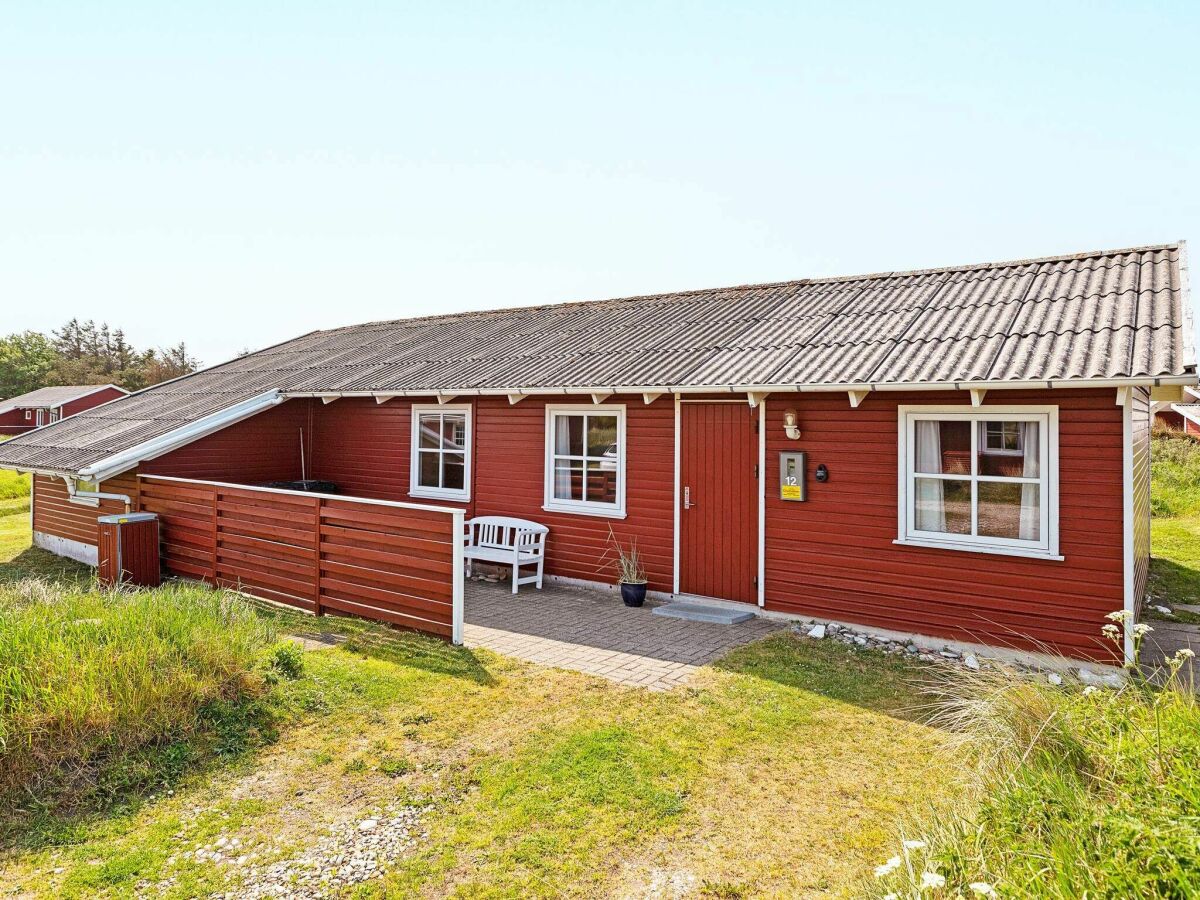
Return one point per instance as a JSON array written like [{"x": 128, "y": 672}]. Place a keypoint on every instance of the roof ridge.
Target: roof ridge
[{"x": 797, "y": 282}]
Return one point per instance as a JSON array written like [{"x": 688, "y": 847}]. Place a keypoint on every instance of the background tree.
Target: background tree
[
  {"x": 85, "y": 353},
  {"x": 26, "y": 361}
]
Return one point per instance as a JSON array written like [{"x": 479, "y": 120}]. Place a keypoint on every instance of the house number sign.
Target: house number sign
[{"x": 791, "y": 476}]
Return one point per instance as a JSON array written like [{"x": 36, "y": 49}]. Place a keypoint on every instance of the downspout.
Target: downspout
[{"x": 75, "y": 493}]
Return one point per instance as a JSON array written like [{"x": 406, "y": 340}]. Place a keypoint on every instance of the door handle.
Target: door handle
[{"x": 687, "y": 497}]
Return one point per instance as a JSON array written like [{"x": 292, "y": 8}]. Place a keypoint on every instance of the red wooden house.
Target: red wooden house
[
  {"x": 960, "y": 453},
  {"x": 47, "y": 405}
]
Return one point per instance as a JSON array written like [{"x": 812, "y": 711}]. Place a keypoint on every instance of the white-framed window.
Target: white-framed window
[
  {"x": 585, "y": 459},
  {"x": 28, "y": 415},
  {"x": 983, "y": 479},
  {"x": 441, "y": 452}
]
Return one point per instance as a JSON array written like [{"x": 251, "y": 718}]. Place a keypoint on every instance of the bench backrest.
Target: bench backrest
[{"x": 504, "y": 532}]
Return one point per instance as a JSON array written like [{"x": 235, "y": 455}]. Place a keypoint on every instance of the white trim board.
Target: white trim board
[
  {"x": 1048, "y": 547},
  {"x": 415, "y": 489},
  {"x": 550, "y": 503}
]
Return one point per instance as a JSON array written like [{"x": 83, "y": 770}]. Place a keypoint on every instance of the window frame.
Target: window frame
[
  {"x": 550, "y": 503},
  {"x": 415, "y": 488},
  {"x": 907, "y": 533}
]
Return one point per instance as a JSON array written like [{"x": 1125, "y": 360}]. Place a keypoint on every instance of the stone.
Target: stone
[
  {"x": 971, "y": 662},
  {"x": 817, "y": 632},
  {"x": 1165, "y": 610},
  {"x": 913, "y": 649},
  {"x": 367, "y": 824},
  {"x": 833, "y": 627},
  {"x": 1054, "y": 678}
]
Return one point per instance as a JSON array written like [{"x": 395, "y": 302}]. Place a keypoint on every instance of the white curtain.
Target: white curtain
[
  {"x": 931, "y": 509},
  {"x": 1031, "y": 511},
  {"x": 562, "y": 444}
]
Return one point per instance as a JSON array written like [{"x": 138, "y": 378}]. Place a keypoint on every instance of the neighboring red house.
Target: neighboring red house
[
  {"x": 1183, "y": 417},
  {"x": 960, "y": 453},
  {"x": 47, "y": 405}
]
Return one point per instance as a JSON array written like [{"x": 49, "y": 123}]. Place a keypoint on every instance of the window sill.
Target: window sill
[
  {"x": 432, "y": 494},
  {"x": 969, "y": 548},
  {"x": 585, "y": 511}
]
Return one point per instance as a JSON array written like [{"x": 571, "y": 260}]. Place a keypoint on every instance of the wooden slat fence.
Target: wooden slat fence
[{"x": 397, "y": 562}]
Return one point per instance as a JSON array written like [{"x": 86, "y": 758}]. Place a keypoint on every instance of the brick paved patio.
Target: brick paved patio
[{"x": 591, "y": 631}]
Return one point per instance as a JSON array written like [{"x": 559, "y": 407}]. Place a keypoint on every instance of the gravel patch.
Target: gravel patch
[{"x": 353, "y": 852}]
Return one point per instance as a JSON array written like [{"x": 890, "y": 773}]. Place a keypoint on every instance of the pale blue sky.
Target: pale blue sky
[{"x": 237, "y": 173}]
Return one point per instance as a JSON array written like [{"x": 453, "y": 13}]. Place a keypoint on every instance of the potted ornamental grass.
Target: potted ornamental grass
[{"x": 631, "y": 575}]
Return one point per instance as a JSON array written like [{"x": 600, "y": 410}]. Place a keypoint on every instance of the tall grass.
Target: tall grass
[
  {"x": 13, "y": 485},
  {"x": 1082, "y": 792},
  {"x": 1174, "y": 474},
  {"x": 102, "y": 691}
]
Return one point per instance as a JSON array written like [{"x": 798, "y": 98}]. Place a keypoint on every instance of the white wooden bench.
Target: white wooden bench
[{"x": 508, "y": 541}]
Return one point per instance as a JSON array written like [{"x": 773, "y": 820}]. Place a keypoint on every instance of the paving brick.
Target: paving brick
[{"x": 591, "y": 632}]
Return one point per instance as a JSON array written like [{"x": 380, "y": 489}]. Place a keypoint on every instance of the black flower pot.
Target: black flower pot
[{"x": 633, "y": 594}]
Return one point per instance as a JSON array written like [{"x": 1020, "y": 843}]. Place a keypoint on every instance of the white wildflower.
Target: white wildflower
[
  {"x": 983, "y": 889},
  {"x": 891, "y": 897},
  {"x": 1141, "y": 629},
  {"x": 1121, "y": 615},
  {"x": 1089, "y": 690},
  {"x": 932, "y": 880},
  {"x": 1185, "y": 653},
  {"x": 888, "y": 867},
  {"x": 914, "y": 845},
  {"x": 1111, "y": 631}
]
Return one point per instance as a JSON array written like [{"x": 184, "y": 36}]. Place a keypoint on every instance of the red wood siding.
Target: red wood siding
[
  {"x": 833, "y": 557},
  {"x": 364, "y": 447},
  {"x": 265, "y": 447},
  {"x": 718, "y": 539},
  {"x": 90, "y": 401},
  {"x": 509, "y": 475},
  {"x": 54, "y": 514},
  {"x": 14, "y": 422}
]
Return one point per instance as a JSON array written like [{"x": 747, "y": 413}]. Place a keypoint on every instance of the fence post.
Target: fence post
[
  {"x": 457, "y": 609},
  {"x": 317, "y": 560}
]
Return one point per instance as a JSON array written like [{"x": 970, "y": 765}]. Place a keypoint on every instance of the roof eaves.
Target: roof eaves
[{"x": 179, "y": 437}]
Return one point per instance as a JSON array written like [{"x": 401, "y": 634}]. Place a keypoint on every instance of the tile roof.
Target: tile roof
[
  {"x": 1100, "y": 315},
  {"x": 50, "y": 397}
]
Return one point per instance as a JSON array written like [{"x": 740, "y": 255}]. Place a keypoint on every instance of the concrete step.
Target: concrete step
[{"x": 701, "y": 612}]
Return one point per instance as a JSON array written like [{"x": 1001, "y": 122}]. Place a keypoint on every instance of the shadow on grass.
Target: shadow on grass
[
  {"x": 34, "y": 562},
  {"x": 868, "y": 679},
  {"x": 1172, "y": 582},
  {"x": 377, "y": 640}
]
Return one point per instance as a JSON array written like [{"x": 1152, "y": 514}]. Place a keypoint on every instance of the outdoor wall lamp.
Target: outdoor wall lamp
[{"x": 790, "y": 426}]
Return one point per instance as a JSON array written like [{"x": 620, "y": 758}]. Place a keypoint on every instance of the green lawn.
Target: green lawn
[
  {"x": 1175, "y": 528},
  {"x": 785, "y": 771}
]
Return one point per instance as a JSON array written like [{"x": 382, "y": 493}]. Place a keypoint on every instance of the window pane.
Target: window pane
[
  {"x": 602, "y": 436},
  {"x": 427, "y": 430},
  {"x": 943, "y": 505},
  {"x": 943, "y": 447},
  {"x": 568, "y": 479},
  {"x": 1010, "y": 510},
  {"x": 568, "y": 435},
  {"x": 454, "y": 432},
  {"x": 427, "y": 472},
  {"x": 1012, "y": 450},
  {"x": 454, "y": 469},
  {"x": 601, "y": 482}
]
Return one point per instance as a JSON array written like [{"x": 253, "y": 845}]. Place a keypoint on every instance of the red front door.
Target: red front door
[{"x": 718, "y": 500}]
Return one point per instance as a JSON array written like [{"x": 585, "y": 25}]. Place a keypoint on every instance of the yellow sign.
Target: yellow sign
[{"x": 790, "y": 492}]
